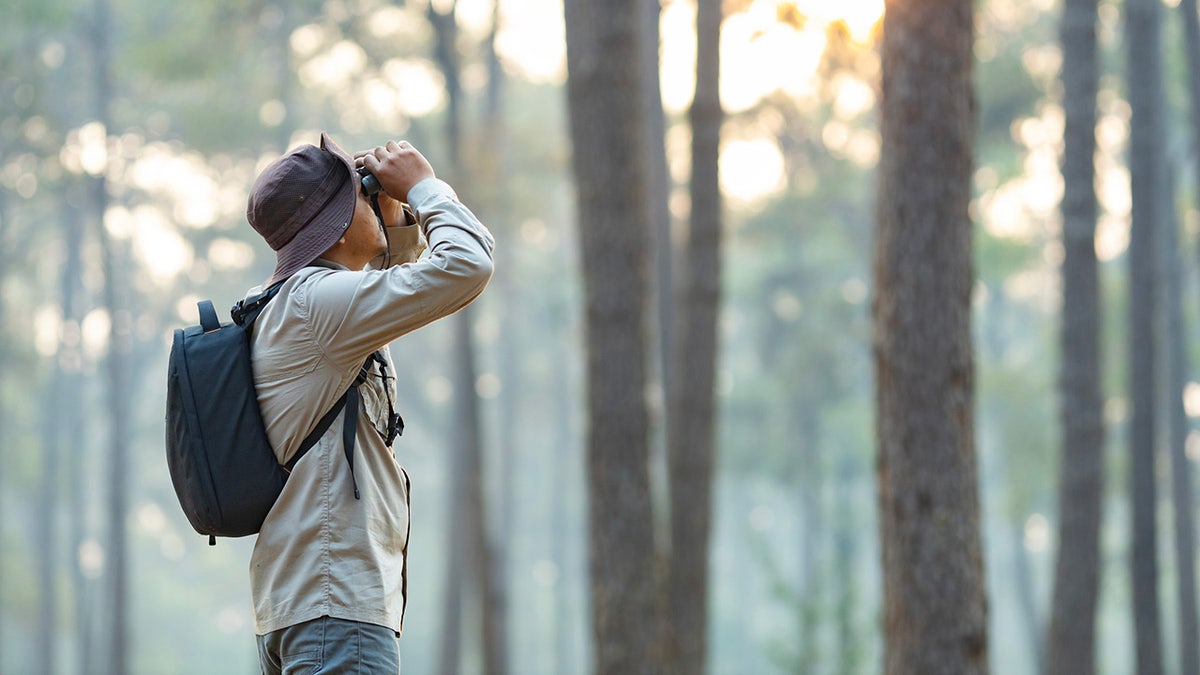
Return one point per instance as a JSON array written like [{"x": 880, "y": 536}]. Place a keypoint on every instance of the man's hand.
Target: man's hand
[{"x": 398, "y": 166}]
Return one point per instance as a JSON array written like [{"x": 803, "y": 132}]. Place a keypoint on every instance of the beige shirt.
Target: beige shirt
[{"x": 321, "y": 552}]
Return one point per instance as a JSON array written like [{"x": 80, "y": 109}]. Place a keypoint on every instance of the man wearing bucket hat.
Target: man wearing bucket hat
[{"x": 328, "y": 572}]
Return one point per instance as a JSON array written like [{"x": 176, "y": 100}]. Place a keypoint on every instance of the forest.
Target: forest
[{"x": 824, "y": 337}]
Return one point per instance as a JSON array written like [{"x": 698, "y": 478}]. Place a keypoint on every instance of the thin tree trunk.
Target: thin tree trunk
[
  {"x": 477, "y": 551},
  {"x": 692, "y": 421},
  {"x": 54, "y": 413},
  {"x": 658, "y": 187},
  {"x": 476, "y": 548},
  {"x": 1176, "y": 370},
  {"x": 496, "y": 600},
  {"x": 610, "y": 178},
  {"x": 450, "y": 635},
  {"x": 658, "y": 223},
  {"x": 1190, "y": 659},
  {"x": 1191, "y": 24},
  {"x": 1070, "y": 643},
  {"x": 935, "y": 610},
  {"x": 1145, "y": 169},
  {"x": 119, "y": 342},
  {"x": 5, "y": 441}
]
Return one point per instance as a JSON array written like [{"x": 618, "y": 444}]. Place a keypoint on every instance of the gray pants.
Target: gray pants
[{"x": 329, "y": 646}]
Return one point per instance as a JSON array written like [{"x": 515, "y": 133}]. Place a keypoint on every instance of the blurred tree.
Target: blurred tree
[
  {"x": 498, "y": 533},
  {"x": 692, "y": 410},
  {"x": 658, "y": 222},
  {"x": 1143, "y": 79},
  {"x": 469, "y": 548},
  {"x": 609, "y": 162},
  {"x": 935, "y": 613},
  {"x": 1175, "y": 370},
  {"x": 1181, "y": 469},
  {"x": 1190, "y": 16},
  {"x": 1070, "y": 642},
  {"x": 117, "y": 366}
]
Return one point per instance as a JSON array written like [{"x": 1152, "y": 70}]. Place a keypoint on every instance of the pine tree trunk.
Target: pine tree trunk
[
  {"x": 658, "y": 222},
  {"x": 116, "y": 371},
  {"x": 1070, "y": 643},
  {"x": 692, "y": 421},
  {"x": 476, "y": 549},
  {"x": 1182, "y": 472},
  {"x": 935, "y": 611},
  {"x": 1175, "y": 368},
  {"x": 610, "y": 178},
  {"x": 1189, "y": 659},
  {"x": 5, "y": 441},
  {"x": 1142, "y": 38}
]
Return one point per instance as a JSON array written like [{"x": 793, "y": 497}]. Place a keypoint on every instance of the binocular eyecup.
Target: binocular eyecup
[{"x": 370, "y": 184}]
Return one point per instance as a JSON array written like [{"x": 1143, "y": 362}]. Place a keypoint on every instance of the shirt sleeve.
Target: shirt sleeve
[
  {"x": 351, "y": 314},
  {"x": 406, "y": 243}
]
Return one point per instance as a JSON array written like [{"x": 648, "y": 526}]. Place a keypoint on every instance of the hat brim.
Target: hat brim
[{"x": 326, "y": 228}]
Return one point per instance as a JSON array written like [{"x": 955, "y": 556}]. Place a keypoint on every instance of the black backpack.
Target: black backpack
[{"x": 222, "y": 466}]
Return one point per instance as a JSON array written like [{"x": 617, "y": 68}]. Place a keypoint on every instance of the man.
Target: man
[{"x": 328, "y": 572}]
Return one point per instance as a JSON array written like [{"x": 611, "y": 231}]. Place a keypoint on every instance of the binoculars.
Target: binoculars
[{"x": 370, "y": 184}]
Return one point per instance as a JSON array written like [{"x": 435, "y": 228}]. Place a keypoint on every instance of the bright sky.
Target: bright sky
[{"x": 761, "y": 54}]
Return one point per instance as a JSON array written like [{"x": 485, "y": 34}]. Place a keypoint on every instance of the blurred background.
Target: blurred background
[{"x": 131, "y": 130}]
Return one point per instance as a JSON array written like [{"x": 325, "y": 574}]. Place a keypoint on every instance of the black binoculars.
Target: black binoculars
[{"x": 370, "y": 184}]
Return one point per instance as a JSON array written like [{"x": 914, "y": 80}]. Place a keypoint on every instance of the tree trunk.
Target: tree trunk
[
  {"x": 116, "y": 370},
  {"x": 1185, "y": 542},
  {"x": 1191, "y": 24},
  {"x": 5, "y": 441},
  {"x": 55, "y": 410},
  {"x": 1145, "y": 170},
  {"x": 450, "y": 635},
  {"x": 1070, "y": 643},
  {"x": 692, "y": 421},
  {"x": 658, "y": 223},
  {"x": 477, "y": 553},
  {"x": 935, "y": 612},
  {"x": 467, "y": 499},
  {"x": 608, "y": 160},
  {"x": 1176, "y": 368},
  {"x": 508, "y": 419}
]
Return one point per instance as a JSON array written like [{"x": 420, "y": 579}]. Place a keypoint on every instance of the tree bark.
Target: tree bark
[
  {"x": 1070, "y": 642},
  {"x": 1185, "y": 533},
  {"x": 935, "y": 612},
  {"x": 608, "y": 161},
  {"x": 55, "y": 410},
  {"x": 467, "y": 499},
  {"x": 501, "y": 527},
  {"x": 1144, "y": 64},
  {"x": 658, "y": 222},
  {"x": 116, "y": 369},
  {"x": 1176, "y": 367},
  {"x": 5, "y": 441},
  {"x": 692, "y": 421}
]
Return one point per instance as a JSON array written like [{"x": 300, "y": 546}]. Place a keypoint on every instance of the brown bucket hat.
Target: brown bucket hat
[{"x": 302, "y": 203}]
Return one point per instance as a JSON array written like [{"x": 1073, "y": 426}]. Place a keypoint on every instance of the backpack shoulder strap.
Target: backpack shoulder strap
[
  {"x": 322, "y": 426},
  {"x": 348, "y": 402},
  {"x": 246, "y": 310}
]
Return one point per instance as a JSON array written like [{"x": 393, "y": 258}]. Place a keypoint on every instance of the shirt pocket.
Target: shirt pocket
[{"x": 375, "y": 403}]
